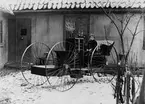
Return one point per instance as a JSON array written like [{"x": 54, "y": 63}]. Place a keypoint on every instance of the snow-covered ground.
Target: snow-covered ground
[{"x": 15, "y": 90}]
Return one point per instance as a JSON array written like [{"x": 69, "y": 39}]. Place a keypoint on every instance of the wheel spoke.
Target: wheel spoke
[
  {"x": 61, "y": 81},
  {"x": 98, "y": 63},
  {"x": 29, "y": 60}
]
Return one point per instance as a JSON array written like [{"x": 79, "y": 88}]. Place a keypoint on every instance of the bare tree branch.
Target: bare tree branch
[
  {"x": 124, "y": 25},
  {"x": 113, "y": 21},
  {"x": 137, "y": 25},
  {"x": 102, "y": 7},
  {"x": 129, "y": 30},
  {"x": 140, "y": 31},
  {"x": 134, "y": 34},
  {"x": 120, "y": 20},
  {"x": 128, "y": 20}
]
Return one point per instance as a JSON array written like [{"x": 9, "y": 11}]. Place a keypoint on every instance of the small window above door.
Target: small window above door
[{"x": 23, "y": 32}]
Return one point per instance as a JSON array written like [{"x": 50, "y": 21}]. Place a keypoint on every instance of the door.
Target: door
[
  {"x": 19, "y": 34},
  {"x": 23, "y": 36}
]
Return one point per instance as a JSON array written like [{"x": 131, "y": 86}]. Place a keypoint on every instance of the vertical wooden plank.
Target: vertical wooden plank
[{"x": 12, "y": 40}]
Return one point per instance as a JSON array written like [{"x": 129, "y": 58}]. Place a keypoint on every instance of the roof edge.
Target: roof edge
[{"x": 90, "y": 11}]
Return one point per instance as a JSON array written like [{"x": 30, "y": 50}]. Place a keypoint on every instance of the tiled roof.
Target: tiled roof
[
  {"x": 71, "y": 4},
  {"x": 4, "y": 7}
]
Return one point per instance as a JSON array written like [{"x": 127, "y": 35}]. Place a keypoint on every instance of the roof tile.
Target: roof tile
[
  {"x": 58, "y": 4},
  {"x": 49, "y": 5}
]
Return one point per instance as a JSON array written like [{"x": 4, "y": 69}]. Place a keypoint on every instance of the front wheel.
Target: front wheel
[
  {"x": 64, "y": 59},
  {"x": 103, "y": 66}
]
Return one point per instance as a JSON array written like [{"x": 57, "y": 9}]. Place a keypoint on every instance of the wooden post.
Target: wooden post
[
  {"x": 142, "y": 91},
  {"x": 127, "y": 88}
]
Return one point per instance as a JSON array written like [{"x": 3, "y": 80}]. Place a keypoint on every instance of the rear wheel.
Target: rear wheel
[
  {"x": 65, "y": 62},
  {"x": 34, "y": 54},
  {"x": 103, "y": 67}
]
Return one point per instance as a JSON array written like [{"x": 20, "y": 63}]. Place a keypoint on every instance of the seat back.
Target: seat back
[{"x": 106, "y": 49}]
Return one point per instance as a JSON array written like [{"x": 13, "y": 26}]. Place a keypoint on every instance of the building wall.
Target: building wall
[
  {"x": 4, "y": 46},
  {"x": 101, "y": 23},
  {"x": 45, "y": 27},
  {"x": 137, "y": 49},
  {"x": 48, "y": 28}
]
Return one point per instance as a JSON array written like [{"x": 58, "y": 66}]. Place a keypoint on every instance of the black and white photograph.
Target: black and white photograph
[{"x": 72, "y": 51}]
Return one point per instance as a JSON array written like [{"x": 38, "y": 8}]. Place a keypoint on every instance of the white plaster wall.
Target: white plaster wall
[
  {"x": 47, "y": 28},
  {"x": 137, "y": 47},
  {"x": 55, "y": 29},
  {"x": 137, "y": 54},
  {"x": 100, "y": 22},
  {"x": 4, "y": 45}
]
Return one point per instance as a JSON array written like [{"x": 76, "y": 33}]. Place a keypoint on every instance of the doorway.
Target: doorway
[{"x": 19, "y": 37}]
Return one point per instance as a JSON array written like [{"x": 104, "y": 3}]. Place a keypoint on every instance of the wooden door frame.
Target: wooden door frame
[{"x": 17, "y": 37}]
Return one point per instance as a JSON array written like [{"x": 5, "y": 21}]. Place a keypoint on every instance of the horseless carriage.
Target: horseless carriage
[{"x": 65, "y": 62}]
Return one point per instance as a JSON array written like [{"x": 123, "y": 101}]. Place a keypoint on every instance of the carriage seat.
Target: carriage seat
[
  {"x": 106, "y": 49},
  {"x": 41, "y": 60}
]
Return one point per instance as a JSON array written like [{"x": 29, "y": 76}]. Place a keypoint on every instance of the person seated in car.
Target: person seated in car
[{"x": 92, "y": 43}]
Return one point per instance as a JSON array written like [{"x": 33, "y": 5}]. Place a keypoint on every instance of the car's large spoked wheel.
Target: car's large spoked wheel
[
  {"x": 102, "y": 67},
  {"x": 62, "y": 62},
  {"x": 34, "y": 55}
]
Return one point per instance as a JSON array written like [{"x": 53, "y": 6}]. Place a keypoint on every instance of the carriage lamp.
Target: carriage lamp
[{"x": 119, "y": 63}]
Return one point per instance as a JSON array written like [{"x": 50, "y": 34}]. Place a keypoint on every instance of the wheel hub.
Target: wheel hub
[{"x": 66, "y": 66}]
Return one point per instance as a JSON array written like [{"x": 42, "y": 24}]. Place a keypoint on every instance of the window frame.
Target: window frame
[{"x": 76, "y": 15}]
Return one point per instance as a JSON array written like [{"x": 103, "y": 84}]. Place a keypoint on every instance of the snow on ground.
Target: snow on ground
[{"x": 15, "y": 90}]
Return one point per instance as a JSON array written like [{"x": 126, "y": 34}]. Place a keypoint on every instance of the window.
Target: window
[
  {"x": 70, "y": 26},
  {"x": 1, "y": 32},
  {"x": 76, "y": 26}
]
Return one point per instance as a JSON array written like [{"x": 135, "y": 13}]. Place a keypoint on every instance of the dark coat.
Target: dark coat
[{"x": 91, "y": 44}]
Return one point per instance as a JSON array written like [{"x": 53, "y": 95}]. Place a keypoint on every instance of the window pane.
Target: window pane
[
  {"x": 70, "y": 26},
  {"x": 77, "y": 26}
]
